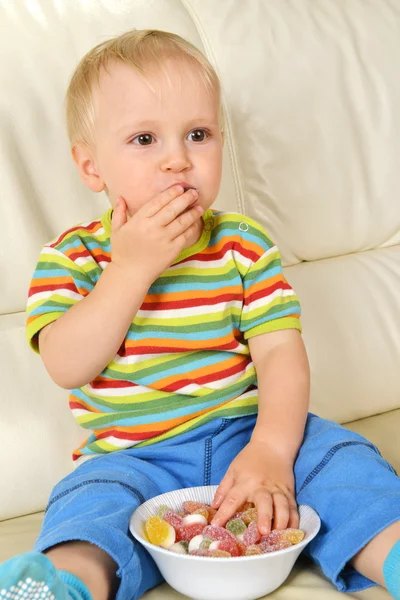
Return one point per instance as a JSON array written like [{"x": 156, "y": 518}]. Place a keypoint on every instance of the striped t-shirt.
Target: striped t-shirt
[{"x": 185, "y": 359}]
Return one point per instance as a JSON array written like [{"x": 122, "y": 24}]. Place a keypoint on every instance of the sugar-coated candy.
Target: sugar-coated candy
[
  {"x": 251, "y": 535},
  {"x": 253, "y": 550},
  {"x": 274, "y": 546},
  {"x": 226, "y": 545},
  {"x": 173, "y": 518},
  {"x": 194, "y": 518},
  {"x": 201, "y": 511},
  {"x": 218, "y": 533},
  {"x": 294, "y": 536},
  {"x": 187, "y": 532},
  {"x": 180, "y": 547},
  {"x": 190, "y": 532},
  {"x": 189, "y": 506},
  {"x": 219, "y": 553},
  {"x": 199, "y": 552},
  {"x": 159, "y": 532},
  {"x": 236, "y": 526},
  {"x": 162, "y": 509},
  {"x": 195, "y": 542},
  {"x": 205, "y": 544},
  {"x": 249, "y": 515}
]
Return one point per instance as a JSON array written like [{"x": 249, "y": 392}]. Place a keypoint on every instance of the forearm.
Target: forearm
[
  {"x": 284, "y": 386},
  {"x": 81, "y": 343}
]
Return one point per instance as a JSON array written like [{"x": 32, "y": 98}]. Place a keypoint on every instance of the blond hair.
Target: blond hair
[{"x": 139, "y": 49}]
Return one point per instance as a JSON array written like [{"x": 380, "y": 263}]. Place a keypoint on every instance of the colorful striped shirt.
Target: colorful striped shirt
[{"x": 185, "y": 359}]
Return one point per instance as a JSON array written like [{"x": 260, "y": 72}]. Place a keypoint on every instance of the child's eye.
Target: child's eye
[
  {"x": 199, "y": 135},
  {"x": 144, "y": 139}
]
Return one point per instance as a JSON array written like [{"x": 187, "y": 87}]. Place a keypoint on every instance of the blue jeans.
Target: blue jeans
[{"x": 337, "y": 472}]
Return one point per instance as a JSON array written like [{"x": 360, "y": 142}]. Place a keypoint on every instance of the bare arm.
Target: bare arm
[
  {"x": 81, "y": 343},
  {"x": 284, "y": 386}
]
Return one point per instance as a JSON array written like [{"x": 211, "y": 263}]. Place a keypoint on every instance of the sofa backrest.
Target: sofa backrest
[{"x": 311, "y": 95}]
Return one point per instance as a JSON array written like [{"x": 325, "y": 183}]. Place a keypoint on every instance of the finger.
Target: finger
[
  {"x": 176, "y": 208},
  {"x": 265, "y": 511},
  {"x": 119, "y": 216},
  {"x": 182, "y": 224},
  {"x": 281, "y": 510},
  {"x": 294, "y": 519},
  {"x": 154, "y": 206},
  {"x": 229, "y": 506},
  {"x": 222, "y": 490}
]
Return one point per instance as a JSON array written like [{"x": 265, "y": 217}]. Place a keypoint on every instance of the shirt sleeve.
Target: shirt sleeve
[
  {"x": 57, "y": 284},
  {"x": 269, "y": 303}
]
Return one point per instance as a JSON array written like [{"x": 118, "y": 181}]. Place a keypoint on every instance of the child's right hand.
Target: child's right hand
[{"x": 148, "y": 243}]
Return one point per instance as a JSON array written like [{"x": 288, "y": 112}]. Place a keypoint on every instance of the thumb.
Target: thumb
[{"x": 119, "y": 216}]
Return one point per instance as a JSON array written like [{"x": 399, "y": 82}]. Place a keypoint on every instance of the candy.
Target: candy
[
  {"x": 159, "y": 532},
  {"x": 274, "y": 547},
  {"x": 195, "y": 542},
  {"x": 189, "y": 506},
  {"x": 236, "y": 526},
  {"x": 201, "y": 511},
  {"x": 173, "y": 518},
  {"x": 251, "y": 536},
  {"x": 219, "y": 553},
  {"x": 249, "y": 515},
  {"x": 226, "y": 545},
  {"x": 211, "y": 513},
  {"x": 162, "y": 509},
  {"x": 218, "y": 533},
  {"x": 194, "y": 518},
  {"x": 205, "y": 544},
  {"x": 253, "y": 550},
  {"x": 294, "y": 536},
  {"x": 200, "y": 552},
  {"x": 189, "y": 531},
  {"x": 180, "y": 547}
]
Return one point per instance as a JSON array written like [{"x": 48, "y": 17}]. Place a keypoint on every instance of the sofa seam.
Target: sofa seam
[{"x": 229, "y": 138}]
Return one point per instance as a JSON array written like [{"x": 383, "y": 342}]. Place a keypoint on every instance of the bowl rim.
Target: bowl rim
[{"x": 177, "y": 555}]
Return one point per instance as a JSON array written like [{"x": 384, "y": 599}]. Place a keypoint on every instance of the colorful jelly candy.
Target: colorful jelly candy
[
  {"x": 172, "y": 518},
  {"x": 189, "y": 506},
  {"x": 190, "y": 532},
  {"x": 187, "y": 532},
  {"x": 253, "y": 550},
  {"x": 160, "y": 532},
  {"x": 180, "y": 547},
  {"x": 251, "y": 536},
  {"x": 249, "y": 515},
  {"x": 236, "y": 526}
]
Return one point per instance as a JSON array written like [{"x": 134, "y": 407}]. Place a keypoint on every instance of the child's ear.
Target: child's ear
[{"x": 86, "y": 165}]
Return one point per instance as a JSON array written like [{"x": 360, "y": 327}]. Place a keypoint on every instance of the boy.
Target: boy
[{"x": 179, "y": 338}]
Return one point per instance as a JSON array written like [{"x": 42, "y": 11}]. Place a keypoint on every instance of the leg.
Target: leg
[
  {"x": 357, "y": 495},
  {"x": 90, "y": 563},
  {"x": 369, "y": 561}
]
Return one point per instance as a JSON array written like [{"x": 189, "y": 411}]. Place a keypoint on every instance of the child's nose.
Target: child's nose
[{"x": 176, "y": 159}]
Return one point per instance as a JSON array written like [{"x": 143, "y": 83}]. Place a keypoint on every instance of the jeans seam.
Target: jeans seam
[
  {"x": 208, "y": 452},
  {"x": 135, "y": 491},
  {"x": 328, "y": 456}
]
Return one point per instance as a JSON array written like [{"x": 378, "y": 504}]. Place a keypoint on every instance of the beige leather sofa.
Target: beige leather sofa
[{"x": 312, "y": 97}]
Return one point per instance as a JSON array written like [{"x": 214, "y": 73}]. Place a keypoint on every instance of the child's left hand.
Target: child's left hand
[{"x": 262, "y": 475}]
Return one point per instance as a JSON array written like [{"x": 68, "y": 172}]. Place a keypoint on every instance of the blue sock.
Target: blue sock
[
  {"x": 391, "y": 571},
  {"x": 32, "y": 575}
]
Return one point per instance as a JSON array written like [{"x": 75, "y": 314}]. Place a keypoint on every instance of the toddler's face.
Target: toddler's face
[{"x": 146, "y": 141}]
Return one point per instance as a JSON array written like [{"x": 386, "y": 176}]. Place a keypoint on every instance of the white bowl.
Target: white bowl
[{"x": 205, "y": 578}]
